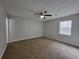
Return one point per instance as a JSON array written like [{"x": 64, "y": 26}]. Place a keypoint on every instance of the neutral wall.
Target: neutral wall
[
  {"x": 52, "y": 30},
  {"x": 2, "y": 31},
  {"x": 20, "y": 29}
]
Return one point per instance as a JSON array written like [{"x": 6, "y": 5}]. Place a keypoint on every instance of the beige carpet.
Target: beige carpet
[{"x": 40, "y": 48}]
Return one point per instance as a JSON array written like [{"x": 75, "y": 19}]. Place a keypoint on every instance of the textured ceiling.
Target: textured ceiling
[{"x": 27, "y": 8}]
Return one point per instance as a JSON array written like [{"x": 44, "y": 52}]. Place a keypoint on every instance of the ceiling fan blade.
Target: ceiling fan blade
[
  {"x": 37, "y": 14},
  {"x": 47, "y": 15}
]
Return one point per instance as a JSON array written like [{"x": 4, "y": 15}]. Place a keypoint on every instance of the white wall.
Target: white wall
[
  {"x": 20, "y": 29},
  {"x": 2, "y": 31},
  {"x": 52, "y": 30}
]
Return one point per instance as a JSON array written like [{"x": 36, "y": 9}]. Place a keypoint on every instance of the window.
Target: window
[{"x": 65, "y": 27}]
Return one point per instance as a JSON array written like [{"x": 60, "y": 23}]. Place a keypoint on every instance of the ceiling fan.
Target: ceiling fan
[
  {"x": 43, "y": 14},
  {"x": 40, "y": 14}
]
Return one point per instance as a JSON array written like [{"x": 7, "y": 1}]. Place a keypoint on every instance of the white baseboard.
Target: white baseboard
[
  {"x": 3, "y": 52},
  {"x": 23, "y": 39},
  {"x": 62, "y": 40}
]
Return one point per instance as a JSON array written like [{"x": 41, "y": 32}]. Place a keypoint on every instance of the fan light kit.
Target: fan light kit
[{"x": 42, "y": 16}]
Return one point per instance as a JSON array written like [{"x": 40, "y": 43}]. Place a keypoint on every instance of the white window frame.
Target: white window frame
[{"x": 65, "y": 27}]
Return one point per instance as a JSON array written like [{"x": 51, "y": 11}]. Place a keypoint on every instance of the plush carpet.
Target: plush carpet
[{"x": 40, "y": 48}]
